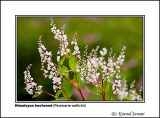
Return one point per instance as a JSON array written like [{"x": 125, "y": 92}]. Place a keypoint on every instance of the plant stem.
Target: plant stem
[
  {"x": 103, "y": 96},
  {"x": 67, "y": 53},
  {"x": 76, "y": 76},
  {"x": 48, "y": 93},
  {"x": 82, "y": 95}
]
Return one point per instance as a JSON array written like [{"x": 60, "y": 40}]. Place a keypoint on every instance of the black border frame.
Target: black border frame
[{"x": 143, "y": 46}]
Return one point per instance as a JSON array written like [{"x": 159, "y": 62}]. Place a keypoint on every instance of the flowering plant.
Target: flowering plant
[{"x": 101, "y": 77}]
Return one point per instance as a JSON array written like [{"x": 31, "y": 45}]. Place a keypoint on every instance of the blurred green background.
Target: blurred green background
[{"x": 106, "y": 32}]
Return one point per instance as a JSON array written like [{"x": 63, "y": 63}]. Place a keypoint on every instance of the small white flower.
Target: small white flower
[
  {"x": 30, "y": 92},
  {"x": 40, "y": 87},
  {"x": 58, "y": 52},
  {"x": 56, "y": 36},
  {"x": 40, "y": 50},
  {"x": 114, "y": 92},
  {"x": 64, "y": 37},
  {"x": 76, "y": 48},
  {"x": 49, "y": 53},
  {"x": 45, "y": 71},
  {"x": 58, "y": 31},
  {"x": 49, "y": 67},
  {"x": 54, "y": 87},
  {"x": 68, "y": 50},
  {"x": 58, "y": 58},
  {"x": 45, "y": 75},
  {"x": 43, "y": 47},
  {"x": 34, "y": 84},
  {"x": 105, "y": 50},
  {"x": 50, "y": 76},
  {"x": 72, "y": 42}
]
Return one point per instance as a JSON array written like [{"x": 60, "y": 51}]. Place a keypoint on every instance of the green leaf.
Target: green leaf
[
  {"x": 127, "y": 98},
  {"x": 36, "y": 95},
  {"x": 73, "y": 62},
  {"x": 62, "y": 60},
  {"x": 113, "y": 98},
  {"x": 58, "y": 93},
  {"x": 67, "y": 86},
  {"x": 92, "y": 89},
  {"x": 108, "y": 91},
  {"x": 80, "y": 82},
  {"x": 104, "y": 84},
  {"x": 108, "y": 88},
  {"x": 62, "y": 70}
]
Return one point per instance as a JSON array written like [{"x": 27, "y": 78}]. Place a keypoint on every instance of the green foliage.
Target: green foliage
[
  {"x": 93, "y": 89},
  {"x": 108, "y": 91},
  {"x": 36, "y": 95},
  {"x": 127, "y": 98},
  {"x": 63, "y": 70},
  {"x": 108, "y": 88},
  {"x": 62, "y": 60},
  {"x": 113, "y": 97},
  {"x": 58, "y": 93},
  {"x": 67, "y": 87},
  {"x": 73, "y": 62}
]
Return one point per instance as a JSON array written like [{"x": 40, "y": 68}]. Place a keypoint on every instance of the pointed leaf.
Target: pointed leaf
[
  {"x": 93, "y": 89},
  {"x": 73, "y": 62},
  {"x": 67, "y": 86},
  {"x": 127, "y": 98},
  {"x": 108, "y": 88},
  {"x": 58, "y": 93},
  {"x": 36, "y": 95},
  {"x": 108, "y": 91},
  {"x": 62, "y": 60}
]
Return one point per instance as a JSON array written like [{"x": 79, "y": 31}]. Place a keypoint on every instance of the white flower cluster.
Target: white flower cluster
[
  {"x": 93, "y": 75},
  {"x": 82, "y": 69},
  {"x": 120, "y": 59},
  {"x": 120, "y": 90},
  {"x": 133, "y": 94},
  {"x": 76, "y": 48},
  {"x": 59, "y": 35},
  {"x": 46, "y": 58},
  {"x": 31, "y": 86},
  {"x": 98, "y": 63},
  {"x": 57, "y": 83},
  {"x": 51, "y": 71},
  {"x": 123, "y": 93}
]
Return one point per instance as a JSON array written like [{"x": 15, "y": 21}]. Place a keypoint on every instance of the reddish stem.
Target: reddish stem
[
  {"x": 103, "y": 96},
  {"x": 76, "y": 76},
  {"x": 48, "y": 93},
  {"x": 82, "y": 95}
]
